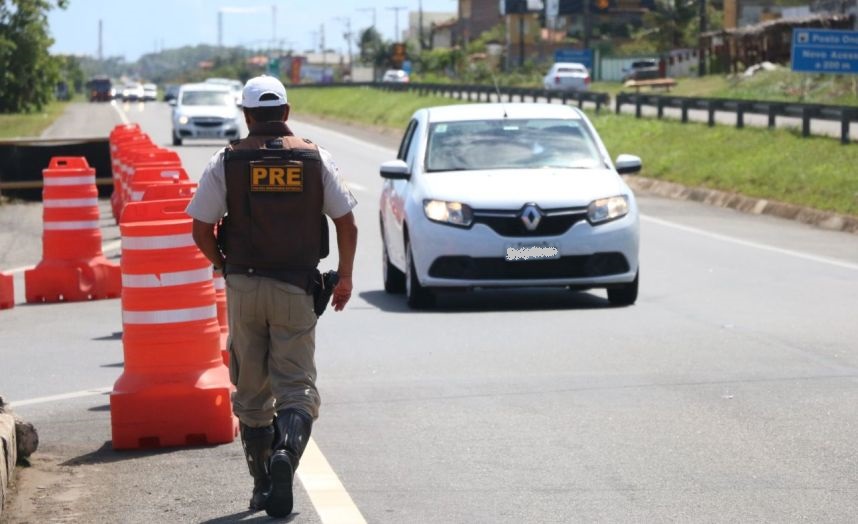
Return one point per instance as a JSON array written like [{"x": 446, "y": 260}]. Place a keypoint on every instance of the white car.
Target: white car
[
  {"x": 507, "y": 195},
  {"x": 132, "y": 92},
  {"x": 150, "y": 92},
  {"x": 205, "y": 111},
  {"x": 567, "y": 76},
  {"x": 397, "y": 76},
  {"x": 234, "y": 85}
]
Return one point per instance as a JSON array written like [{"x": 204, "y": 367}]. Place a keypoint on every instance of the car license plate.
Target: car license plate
[
  {"x": 207, "y": 134},
  {"x": 524, "y": 251}
]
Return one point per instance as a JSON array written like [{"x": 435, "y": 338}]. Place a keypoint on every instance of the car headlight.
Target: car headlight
[
  {"x": 607, "y": 209},
  {"x": 452, "y": 213},
  {"x": 184, "y": 120}
]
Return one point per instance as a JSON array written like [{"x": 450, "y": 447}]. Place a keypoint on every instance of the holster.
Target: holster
[{"x": 323, "y": 289}]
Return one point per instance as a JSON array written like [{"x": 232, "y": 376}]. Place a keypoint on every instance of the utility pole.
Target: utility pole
[
  {"x": 100, "y": 40},
  {"x": 347, "y": 35},
  {"x": 587, "y": 23},
  {"x": 220, "y": 28},
  {"x": 273, "y": 25},
  {"x": 701, "y": 51},
  {"x": 396, "y": 10},
  {"x": 420, "y": 23}
]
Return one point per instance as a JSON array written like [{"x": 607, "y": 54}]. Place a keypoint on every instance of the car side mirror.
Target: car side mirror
[
  {"x": 395, "y": 170},
  {"x": 172, "y": 102},
  {"x": 628, "y": 164}
]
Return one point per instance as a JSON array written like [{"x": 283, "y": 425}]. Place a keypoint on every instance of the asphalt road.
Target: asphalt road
[{"x": 724, "y": 395}]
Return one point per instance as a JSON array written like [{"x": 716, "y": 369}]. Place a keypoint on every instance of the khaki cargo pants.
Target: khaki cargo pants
[{"x": 272, "y": 341}]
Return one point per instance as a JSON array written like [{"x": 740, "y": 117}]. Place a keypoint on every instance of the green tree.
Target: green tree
[
  {"x": 28, "y": 73},
  {"x": 373, "y": 50}
]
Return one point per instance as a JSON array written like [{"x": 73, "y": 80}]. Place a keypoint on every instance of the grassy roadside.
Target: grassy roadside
[
  {"x": 777, "y": 165},
  {"x": 30, "y": 124}
]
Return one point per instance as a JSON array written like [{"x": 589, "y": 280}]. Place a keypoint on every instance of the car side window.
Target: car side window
[{"x": 406, "y": 140}]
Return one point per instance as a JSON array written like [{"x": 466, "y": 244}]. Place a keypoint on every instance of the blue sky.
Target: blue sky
[{"x": 131, "y": 29}]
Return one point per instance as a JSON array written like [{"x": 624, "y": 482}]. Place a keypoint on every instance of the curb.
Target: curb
[
  {"x": 8, "y": 454},
  {"x": 754, "y": 206}
]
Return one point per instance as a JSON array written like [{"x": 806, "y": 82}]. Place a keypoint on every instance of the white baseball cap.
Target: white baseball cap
[{"x": 258, "y": 86}]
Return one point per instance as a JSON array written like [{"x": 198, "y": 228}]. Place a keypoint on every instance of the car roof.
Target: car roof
[
  {"x": 464, "y": 112},
  {"x": 205, "y": 87}
]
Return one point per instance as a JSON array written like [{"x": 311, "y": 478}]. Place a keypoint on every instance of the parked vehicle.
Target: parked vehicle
[
  {"x": 395, "y": 76},
  {"x": 645, "y": 69},
  {"x": 567, "y": 76},
  {"x": 507, "y": 195},
  {"x": 170, "y": 92},
  {"x": 204, "y": 111}
]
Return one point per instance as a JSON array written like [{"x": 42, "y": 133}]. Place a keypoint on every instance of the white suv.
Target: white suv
[{"x": 205, "y": 111}]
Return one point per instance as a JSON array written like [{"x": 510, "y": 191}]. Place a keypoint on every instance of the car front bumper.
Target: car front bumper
[
  {"x": 225, "y": 130},
  {"x": 586, "y": 255}
]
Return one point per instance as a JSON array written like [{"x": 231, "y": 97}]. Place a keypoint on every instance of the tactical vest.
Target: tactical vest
[{"x": 274, "y": 222}]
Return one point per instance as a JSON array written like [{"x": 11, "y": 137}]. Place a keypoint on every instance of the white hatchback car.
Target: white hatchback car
[
  {"x": 507, "y": 195},
  {"x": 567, "y": 76},
  {"x": 206, "y": 111}
]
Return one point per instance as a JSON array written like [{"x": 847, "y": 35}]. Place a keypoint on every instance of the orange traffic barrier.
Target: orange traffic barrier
[
  {"x": 139, "y": 159},
  {"x": 122, "y": 139},
  {"x": 175, "y": 390},
  {"x": 73, "y": 266},
  {"x": 170, "y": 191},
  {"x": 7, "y": 291},
  {"x": 222, "y": 319},
  {"x": 150, "y": 176}
]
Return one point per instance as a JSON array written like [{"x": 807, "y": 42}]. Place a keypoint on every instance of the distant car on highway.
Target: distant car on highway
[
  {"x": 235, "y": 86},
  {"x": 170, "y": 92},
  {"x": 567, "y": 76},
  {"x": 100, "y": 89},
  {"x": 132, "y": 92},
  {"x": 204, "y": 111},
  {"x": 644, "y": 69},
  {"x": 395, "y": 76},
  {"x": 507, "y": 195},
  {"x": 150, "y": 92}
]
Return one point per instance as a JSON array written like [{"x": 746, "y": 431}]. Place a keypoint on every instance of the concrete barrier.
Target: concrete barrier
[{"x": 8, "y": 452}]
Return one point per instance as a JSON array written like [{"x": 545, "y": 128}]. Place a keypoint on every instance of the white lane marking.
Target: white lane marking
[
  {"x": 748, "y": 243},
  {"x": 356, "y": 187},
  {"x": 64, "y": 396},
  {"x": 107, "y": 247},
  {"x": 122, "y": 116},
  {"x": 350, "y": 138},
  {"x": 331, "y": 500}
]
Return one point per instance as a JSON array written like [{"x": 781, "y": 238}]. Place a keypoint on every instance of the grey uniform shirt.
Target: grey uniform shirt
[{"x": 209, "y": 202}]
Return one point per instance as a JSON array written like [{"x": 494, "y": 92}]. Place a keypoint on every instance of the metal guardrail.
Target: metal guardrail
[
  {"x": 807, "y": 112},
  {"x": 479, "y": 93}
]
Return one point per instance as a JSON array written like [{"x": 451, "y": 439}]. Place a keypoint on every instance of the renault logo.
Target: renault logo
[{"x": 531, "y": 216}]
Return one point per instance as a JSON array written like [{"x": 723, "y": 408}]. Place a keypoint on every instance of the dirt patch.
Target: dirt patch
[{"x": 46, "y": 491}]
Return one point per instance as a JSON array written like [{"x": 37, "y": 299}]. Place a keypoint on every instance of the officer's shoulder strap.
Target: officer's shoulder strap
[{"x": 294, "y": 142}]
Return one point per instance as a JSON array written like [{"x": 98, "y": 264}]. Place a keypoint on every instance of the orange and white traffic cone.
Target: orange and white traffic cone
[
  {"x": 175, "y": 390},
  {"x": 73, "y": 266}
]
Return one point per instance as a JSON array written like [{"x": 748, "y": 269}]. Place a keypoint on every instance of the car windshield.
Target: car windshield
[
  {"x": 207, "y": 98},
  {"x": 511, "y": 144}
]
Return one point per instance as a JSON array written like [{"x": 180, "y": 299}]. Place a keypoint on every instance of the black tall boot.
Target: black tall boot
[
  {"x": 293, "y": 428},
  {"x": 257, "y": 444}
]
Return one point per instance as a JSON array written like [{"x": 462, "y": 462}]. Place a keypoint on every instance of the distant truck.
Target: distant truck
[{"x": 100, "y": 89}]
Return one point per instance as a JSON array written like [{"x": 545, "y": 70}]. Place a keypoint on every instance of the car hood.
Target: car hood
[
  {"x": 512, "y": 188},
  {"x": 216, "y": 111}
]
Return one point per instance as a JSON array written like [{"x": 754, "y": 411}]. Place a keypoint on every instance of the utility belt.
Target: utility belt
[
  {"x": 320, "y": 285},
  {"x": 303, "y": 278}
]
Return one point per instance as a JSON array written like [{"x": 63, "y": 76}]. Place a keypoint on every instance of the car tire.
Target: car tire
[
  {"x": 417, "y": 296},
  {"x": 176, "y": 140},
  {"x": 625, "y": 295},
  {"x": 394, "y": 279}
]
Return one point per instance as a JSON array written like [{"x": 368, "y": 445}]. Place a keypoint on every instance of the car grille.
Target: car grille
[
  {"x": 510, "y": 224},
  {"x": 207, "y": 122},
  {"x": 498, "y": 268}
]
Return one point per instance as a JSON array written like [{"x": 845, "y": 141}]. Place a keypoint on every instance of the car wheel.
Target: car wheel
[
  {"x": 625, "y": 295},
  {"x": 394, "y": 279},
  {"x": 176, "y": 140},
  {"x": 417, "y": 296}
]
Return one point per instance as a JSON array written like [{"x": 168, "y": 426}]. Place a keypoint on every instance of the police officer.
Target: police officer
[{"x": 267, "y": 194}]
